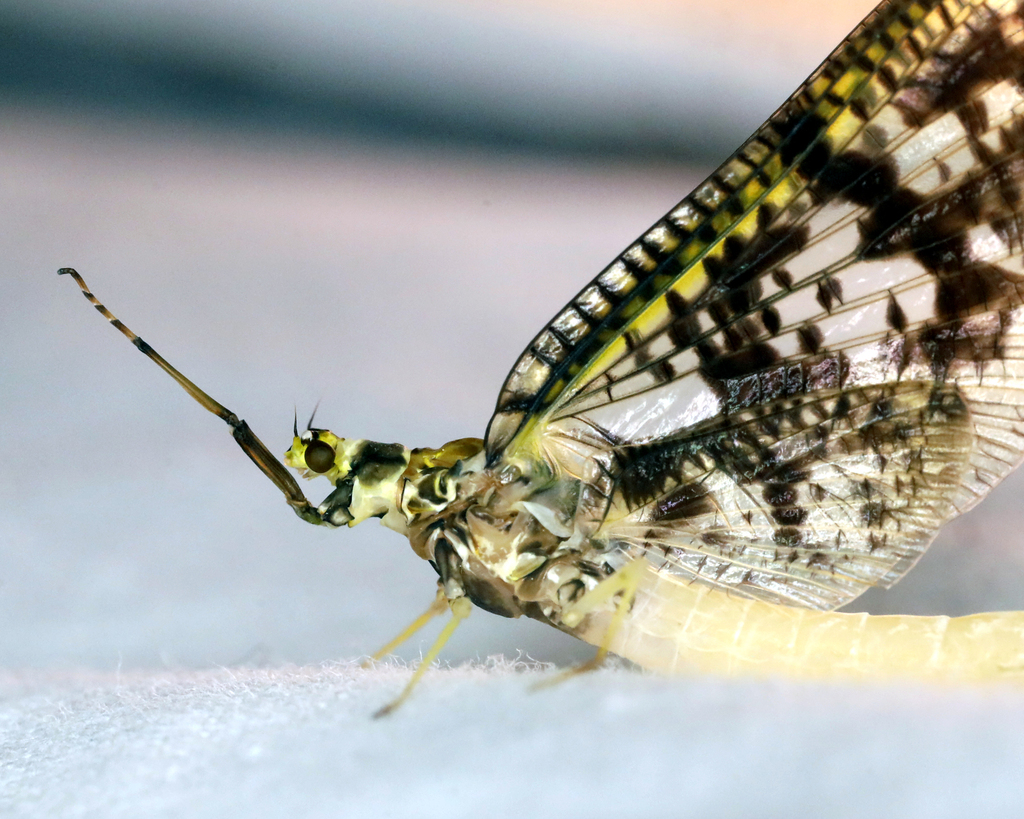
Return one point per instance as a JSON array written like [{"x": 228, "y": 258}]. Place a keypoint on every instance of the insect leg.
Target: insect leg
[
  {"x": 623, "y": 584},
  {"x": 437, "y": 607},
  {"x": 461, "y": 607},
  {"x": 247, "y": 440}
]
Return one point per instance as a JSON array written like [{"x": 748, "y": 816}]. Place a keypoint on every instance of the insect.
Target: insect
[{"x": 768, "y": 403}]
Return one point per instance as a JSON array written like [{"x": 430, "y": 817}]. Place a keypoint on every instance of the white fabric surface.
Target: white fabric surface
[{"x": 475, "y": 741}]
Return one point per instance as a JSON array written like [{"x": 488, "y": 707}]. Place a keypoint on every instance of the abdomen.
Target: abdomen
[{"x": 674, "y": 627}]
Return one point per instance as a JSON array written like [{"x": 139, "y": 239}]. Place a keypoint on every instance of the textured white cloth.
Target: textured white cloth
[{"x": 476, "y": 741}]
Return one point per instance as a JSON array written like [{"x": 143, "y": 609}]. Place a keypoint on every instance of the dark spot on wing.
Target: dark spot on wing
[
  {"x": 799, "y": 134},
  {"x": 830, "y": 291},
  {"x": 842, "y": 407},
  {"x": 789, "y": 515},
  {"x": 771, "y": 320},
  {"x": 750, "y": 359},
  {"x": 857, "y": 178},
  {"x": 788, "y": 537},
  {"x": 956, "y": 77},
  {"x": 783, "y": 278},
  {"x": 810, "y": 338},
  {"x": 780, "y": 494},
  {"x": 895, "y": 316},
  {"x": 687, "y": 501},
  {"x": 948, "y": 402}
]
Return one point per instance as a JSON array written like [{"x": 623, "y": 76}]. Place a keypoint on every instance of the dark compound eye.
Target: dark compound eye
[{"x": 319, "y": 456}]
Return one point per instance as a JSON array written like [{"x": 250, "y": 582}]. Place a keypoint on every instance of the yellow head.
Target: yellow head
[{"x": 319, "y": 452}]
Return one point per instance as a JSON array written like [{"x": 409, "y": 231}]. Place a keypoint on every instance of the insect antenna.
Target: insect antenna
[
  {"x": 247, "y": 440},
  {"x": 312, "y": 415}
]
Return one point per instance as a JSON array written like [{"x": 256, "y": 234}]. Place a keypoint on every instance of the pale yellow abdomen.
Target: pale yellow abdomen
[{"x": 675, "y": 627}]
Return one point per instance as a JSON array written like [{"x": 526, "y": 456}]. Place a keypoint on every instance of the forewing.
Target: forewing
[{"x": 869, "y": 235}]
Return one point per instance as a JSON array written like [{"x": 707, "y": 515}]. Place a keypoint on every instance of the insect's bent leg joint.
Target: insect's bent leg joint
[
  {"x": 449, "y": 569},
  {"x": 334, "y": 509},
  {"x": 619, "y": 589},
  {"x": 437, "y": 607},
  {"x": 272, "y": 468}
]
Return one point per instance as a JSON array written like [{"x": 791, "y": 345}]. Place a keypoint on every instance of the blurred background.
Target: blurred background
[{"x": 370, "y": 205}]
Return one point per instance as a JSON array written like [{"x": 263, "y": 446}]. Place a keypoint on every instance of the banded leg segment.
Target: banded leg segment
[{"x": 245, "y": 437}]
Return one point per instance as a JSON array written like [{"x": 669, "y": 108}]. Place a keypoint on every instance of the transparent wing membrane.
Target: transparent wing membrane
[
  {"x": 809, "y": 503},
  {"x": 859, "y": 257}
]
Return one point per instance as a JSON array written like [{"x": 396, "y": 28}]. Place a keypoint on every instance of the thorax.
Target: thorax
[{"x": 509, "y": 539}]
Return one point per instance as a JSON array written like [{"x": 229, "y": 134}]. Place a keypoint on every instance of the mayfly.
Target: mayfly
[{"x": 768, "y": 403}]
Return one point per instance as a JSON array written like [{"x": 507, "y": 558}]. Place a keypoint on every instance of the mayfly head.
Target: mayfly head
[
  {"x": 367, "y": 476},
  {"x": 319, "y": 452}
]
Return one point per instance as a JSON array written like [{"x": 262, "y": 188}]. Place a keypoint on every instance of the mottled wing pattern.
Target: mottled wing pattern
[
  {"x": 796, "y": 376},
  {"x": 808, "y": 503}
]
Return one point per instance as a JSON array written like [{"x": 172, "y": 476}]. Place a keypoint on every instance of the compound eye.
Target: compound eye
[{"x": 319, "y": 456}]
